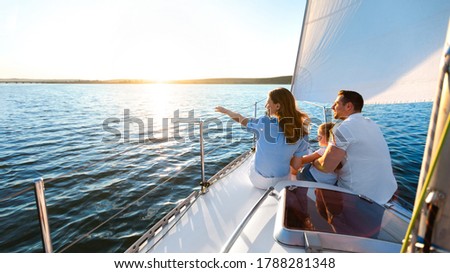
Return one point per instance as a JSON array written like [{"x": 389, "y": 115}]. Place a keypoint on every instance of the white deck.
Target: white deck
[
  {"x": 206, "y": 226},
  {"x": 213, "y": 217}
]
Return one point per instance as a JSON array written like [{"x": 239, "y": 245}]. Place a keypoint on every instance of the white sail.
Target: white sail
[{"x": 387, "y": 50}]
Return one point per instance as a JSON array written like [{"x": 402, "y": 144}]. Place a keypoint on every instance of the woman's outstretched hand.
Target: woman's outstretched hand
[
  {"x": 235, "y": 116},
  {"x": 221, "y": 109}
]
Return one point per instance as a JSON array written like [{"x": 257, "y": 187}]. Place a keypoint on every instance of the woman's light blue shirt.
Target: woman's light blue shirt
[{"x": 273, "y": 153}]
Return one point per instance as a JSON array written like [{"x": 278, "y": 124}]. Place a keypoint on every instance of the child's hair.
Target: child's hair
[{"x": 326, "y": 129}]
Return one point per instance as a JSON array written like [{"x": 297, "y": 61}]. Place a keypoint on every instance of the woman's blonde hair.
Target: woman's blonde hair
[{"x": 293, "y": 122}]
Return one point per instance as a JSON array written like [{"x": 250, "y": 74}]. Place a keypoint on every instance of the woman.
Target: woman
[{"x": 281, "y": 138}]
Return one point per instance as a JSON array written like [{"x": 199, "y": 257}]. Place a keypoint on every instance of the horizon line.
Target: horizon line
[{"x": 218, "y": 80}]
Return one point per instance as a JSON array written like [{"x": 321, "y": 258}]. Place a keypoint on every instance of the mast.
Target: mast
[{"x": 432, "y": 198}]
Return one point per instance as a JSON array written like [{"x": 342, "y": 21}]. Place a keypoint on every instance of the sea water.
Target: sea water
[{"x": 116, "y": 158}]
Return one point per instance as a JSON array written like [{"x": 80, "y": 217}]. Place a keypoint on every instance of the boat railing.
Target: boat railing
[
  {"x": 326, "y": 112},
  {"x": 175, "y": 215},
  {"x": 226, "y": 248},
  {"x": 168, "y": 218},
  {"x": 39, "y": 189}
]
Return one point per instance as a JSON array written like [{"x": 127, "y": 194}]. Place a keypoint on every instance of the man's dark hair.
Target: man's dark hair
[{"x": 354, "y": 97}]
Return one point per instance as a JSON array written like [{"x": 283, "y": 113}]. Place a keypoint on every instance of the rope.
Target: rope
[{"x": 314, "y": 104}]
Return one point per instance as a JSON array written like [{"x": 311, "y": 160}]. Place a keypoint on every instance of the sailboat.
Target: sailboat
[{"x": 390, "y": 52}]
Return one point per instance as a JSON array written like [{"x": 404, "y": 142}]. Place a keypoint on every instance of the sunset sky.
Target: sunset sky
[{"x": 148, "y": 39}]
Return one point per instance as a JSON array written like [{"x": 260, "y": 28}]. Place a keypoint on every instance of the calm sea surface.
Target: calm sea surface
[{"x": 116, "y": 158}]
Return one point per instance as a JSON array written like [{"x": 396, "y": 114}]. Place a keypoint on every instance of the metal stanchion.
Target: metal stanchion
[
  {"x": 203, "y": 183},
  {"x": 42, "y": 215}
]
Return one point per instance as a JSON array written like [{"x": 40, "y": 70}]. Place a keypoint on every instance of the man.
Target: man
[{"x": 361, "y": 148}]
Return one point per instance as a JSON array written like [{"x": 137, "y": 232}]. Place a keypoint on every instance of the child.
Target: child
[{"x": 309, "y": 172}]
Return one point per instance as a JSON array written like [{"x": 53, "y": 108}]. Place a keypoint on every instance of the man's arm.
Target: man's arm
[
  {"x": 298, "y": 162},
  {"x": 310, "y": 158},
  {"x": 330, "y": 159}
]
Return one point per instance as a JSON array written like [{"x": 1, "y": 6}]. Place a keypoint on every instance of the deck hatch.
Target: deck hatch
[{"x": 335, "y": 216}]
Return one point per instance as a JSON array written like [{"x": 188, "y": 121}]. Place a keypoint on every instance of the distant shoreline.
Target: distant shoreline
[{"x": 273, "y": 80}]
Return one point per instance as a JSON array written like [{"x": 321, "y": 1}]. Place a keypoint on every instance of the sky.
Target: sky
[{"x": 148, "y": 39}]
